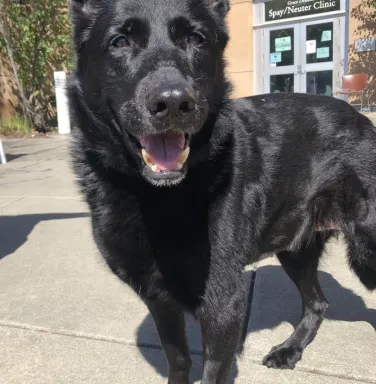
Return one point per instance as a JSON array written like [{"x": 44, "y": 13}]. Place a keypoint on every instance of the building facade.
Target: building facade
[
  {"x": 284, "y": 46},
  {"x": 300, "y": 45}
]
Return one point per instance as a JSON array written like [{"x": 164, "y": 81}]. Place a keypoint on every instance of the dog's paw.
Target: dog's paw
[{"x": 282, "y": 357}]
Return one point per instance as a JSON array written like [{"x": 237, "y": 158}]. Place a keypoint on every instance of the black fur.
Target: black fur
[{"x": 277, "y": 173}]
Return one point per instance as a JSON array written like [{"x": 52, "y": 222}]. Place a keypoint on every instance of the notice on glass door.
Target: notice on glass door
[
  {"x": 326, "y": 36},
  {"x": 322, "y": 53},
  {"x": 310, "y": 46},
  {"x": 275, "y": 57},
  {"x": 283, "y": 44}
]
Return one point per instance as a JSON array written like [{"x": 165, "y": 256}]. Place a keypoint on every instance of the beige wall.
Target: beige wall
[
  {"x": 239, "y": 53},
  {"x": 361, "y": 26}
]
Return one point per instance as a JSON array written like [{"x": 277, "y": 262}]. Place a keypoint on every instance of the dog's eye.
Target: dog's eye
[
  {"x": 196, "y": 38},
  {"x": 120, "y": 42}
]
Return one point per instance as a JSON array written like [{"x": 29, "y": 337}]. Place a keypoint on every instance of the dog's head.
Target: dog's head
[{"x": 153, "y": 71}]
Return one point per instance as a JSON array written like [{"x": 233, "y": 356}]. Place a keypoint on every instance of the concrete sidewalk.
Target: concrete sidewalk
[
  {"x": 371, "y": 116},
  {"x": 64, "y": 318}
]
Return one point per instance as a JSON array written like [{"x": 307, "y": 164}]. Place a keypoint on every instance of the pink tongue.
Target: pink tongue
[{"x": 164, "y": 149}]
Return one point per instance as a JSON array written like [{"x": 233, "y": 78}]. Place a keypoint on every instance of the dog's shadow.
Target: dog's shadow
[{"x": 345, "y": 305}]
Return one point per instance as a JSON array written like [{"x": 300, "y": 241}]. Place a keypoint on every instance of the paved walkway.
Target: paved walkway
[
  {"x": 64, "y": 318},
  {"x": 371, "y": 116}
]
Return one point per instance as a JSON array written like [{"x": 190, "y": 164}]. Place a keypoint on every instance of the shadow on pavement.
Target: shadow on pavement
[
  {"x": 11, "y": 157},
  {"x": 14, "y": 230},
  {"x": 345, "y": 305}
]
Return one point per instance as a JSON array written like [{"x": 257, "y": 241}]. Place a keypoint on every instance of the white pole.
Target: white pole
[
  {"x": 62, "y": 103},
  {"x": 2, "y": 153}
]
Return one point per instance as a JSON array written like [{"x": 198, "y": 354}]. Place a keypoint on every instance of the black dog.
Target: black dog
[{"x": 186, "y": 186}]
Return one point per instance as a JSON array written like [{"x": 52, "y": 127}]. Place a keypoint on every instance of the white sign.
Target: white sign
[
  {"x": 3, "y": 158},
  {"x": 326, "y": 36},
  {"x": 311, "y": 46},
  {"x": 283, "y": 44},
  {"x": 62, "y": 103},
  {"x": 365, "y": 45}
]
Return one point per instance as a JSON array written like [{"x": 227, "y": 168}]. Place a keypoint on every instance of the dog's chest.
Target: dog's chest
[{"x": 177, "y": 235}]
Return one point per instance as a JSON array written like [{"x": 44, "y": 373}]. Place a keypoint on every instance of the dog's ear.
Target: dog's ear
[
  {"x": 83, "y": 14},
  {"x": 81, "y": 8},
  {"x": 221, "y": 7}
]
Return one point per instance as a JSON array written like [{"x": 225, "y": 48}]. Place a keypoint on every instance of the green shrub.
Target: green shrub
[{"x": 16, "y": 125}]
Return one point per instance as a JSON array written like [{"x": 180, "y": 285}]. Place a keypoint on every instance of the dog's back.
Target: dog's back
[{"x": 318, "y": 158}]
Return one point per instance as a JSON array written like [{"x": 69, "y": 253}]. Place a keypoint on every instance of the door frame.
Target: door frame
[
  {"x": 259, "y": 24},
  {"x": 300, "y": 67},
  {"x": 287, "y": 69},
  {"x": 315, "y": 67}
]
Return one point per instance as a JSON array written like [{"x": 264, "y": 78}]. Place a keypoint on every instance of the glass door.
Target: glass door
[
  {"x": 281, "y": 57},
  {"x": 299, "y": 58},
  {"x": 317, "y": 57}
]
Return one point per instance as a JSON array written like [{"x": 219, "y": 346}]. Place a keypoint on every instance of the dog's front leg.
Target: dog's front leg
[
  {"x": 169, "y": 320},
  {"x": 221, "y": 320}
]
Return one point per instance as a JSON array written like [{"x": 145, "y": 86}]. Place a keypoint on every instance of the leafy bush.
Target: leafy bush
[{"x": 39, "y": 35}]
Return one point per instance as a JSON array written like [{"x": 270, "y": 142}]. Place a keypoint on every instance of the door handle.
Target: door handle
[
  {"x": 303, "y": 71},
  {"x": 298, "y": 70}
]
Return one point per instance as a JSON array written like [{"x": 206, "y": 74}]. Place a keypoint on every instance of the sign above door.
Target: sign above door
[{"x": 287, "y": 9}]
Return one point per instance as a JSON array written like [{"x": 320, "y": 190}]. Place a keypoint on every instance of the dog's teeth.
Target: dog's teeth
[
  {"x": 154, "y": 168},
  {"x": 184, "y": 155},
  {"x": 179, "y": 167},
  {"x": 146, "y": 157}
]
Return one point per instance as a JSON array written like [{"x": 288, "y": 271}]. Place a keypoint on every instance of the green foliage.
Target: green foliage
[
  {"x": 14, "y": 125},
  {"x": 372, "y": 4},
  {"x": 40, "y": 37}
]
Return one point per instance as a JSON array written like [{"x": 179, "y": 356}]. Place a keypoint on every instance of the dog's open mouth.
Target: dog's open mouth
[{"x": 165, "y": 153}]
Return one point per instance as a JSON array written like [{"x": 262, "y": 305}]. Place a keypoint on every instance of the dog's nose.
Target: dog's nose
[{"x": 171, "y": 100}]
